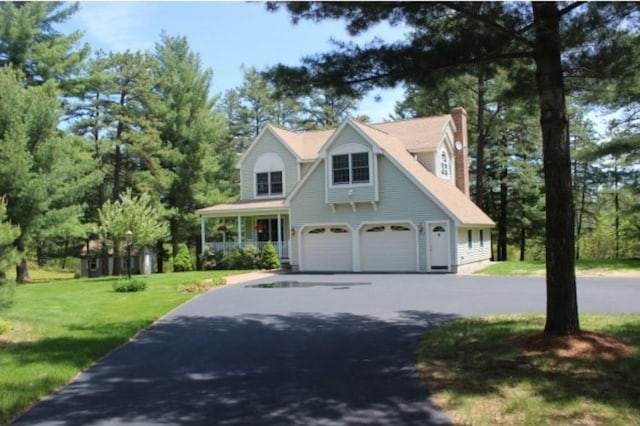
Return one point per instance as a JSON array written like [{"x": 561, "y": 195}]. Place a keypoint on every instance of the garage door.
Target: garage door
[
  {"x": 388, "y": 248},
  {"x": 327, "y": 248}
]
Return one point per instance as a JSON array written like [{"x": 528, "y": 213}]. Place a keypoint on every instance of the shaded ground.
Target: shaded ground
[
  {"x": 586, "y": 345},
  {"x": 319, "y": 355},
  {"x": 297, "y": 369},
  {"x": 492, "y": 371}
]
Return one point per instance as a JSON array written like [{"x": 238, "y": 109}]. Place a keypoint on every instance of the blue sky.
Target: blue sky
[{"x": 226, "y": 35}]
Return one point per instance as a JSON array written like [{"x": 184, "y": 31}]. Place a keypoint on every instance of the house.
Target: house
[
  {"x": 92, "y": 261},
  {"x": 392, "y": 196}
]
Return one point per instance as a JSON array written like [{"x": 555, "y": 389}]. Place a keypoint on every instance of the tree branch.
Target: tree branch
[
  {"x": 444, "y": 66},
  {"x": 490, "y": 23},
  {"x": 569, "y": 8}
]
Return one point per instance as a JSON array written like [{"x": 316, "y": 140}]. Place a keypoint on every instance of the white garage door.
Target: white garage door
[
  {"x": 327, "y": 248},
  {"x": 388, "y": 248}
]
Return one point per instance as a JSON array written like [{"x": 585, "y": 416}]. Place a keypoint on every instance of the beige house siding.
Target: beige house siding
[{"x": 268, "y": 144}]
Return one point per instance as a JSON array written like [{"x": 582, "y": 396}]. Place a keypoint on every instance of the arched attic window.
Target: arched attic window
[
  {"x": 444, "y": 163},
  {"x": 269, "y": 175}
]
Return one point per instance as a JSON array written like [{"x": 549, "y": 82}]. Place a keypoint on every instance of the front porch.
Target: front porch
[{"x": 227, "y": 227}]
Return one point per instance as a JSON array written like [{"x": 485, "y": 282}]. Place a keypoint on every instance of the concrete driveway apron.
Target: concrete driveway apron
[{"x": 302, "y": 350}]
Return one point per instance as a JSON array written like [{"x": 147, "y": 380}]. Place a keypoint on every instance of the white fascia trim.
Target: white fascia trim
[
  {"x": 294, "y": 191},
  {"x": 266, "y": 129}
]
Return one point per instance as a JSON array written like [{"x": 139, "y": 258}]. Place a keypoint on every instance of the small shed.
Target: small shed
[{"x": 92, "y": 260}]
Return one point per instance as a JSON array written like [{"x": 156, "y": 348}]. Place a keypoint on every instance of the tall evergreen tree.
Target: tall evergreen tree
[
  {"x": 43, "y": 171},
  {"x": 8, "y": 234},
  {"x": 190, "y": 131},
  {"x": 30, "y": 43},
  {"x": 460, "y": 35}
]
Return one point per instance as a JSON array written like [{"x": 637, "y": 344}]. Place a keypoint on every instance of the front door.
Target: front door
[
  {"x": 438, "y": 247},
  {"x": 267, "y": 230}
]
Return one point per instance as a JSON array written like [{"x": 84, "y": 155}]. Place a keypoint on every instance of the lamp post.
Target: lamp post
[{"x": 129, "y": 235}]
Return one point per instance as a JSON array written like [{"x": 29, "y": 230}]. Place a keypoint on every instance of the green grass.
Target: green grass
[
  {"x": 60, "y": 328},
  {"x": 513, "y": 267},
  {"x": 480, "y": 379},
  {"x": 43, "y": 274}
]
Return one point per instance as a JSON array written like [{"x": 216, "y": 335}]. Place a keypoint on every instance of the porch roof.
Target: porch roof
[{"x": 240, "y": 207}]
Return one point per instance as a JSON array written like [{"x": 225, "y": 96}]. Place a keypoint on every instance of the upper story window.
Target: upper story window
[
  {"x": 269, "y": 183},
  {"x": 444, "y": 163},
  {"x": 269, "y": 175},
  {"x": 352, "y": 168}
]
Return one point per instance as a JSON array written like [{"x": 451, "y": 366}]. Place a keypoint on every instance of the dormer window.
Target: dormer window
[
  {"x": 269, "y": 183},
  {"x": 444, "y": 163},
  {"x": 269, "y": 175},
  {"x": 350, "y": 168}
]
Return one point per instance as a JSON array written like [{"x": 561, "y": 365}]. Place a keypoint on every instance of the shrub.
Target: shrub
[
  {"x": 182, "y": 260},
  {"x": 270, "y": 259},
  {"x": 4, "y": 326},
  {"x": 252, "y": 257},
  {"x": 211, "y": 259},
  {"x": 126, "y": 285},
  {"x": 248, "y": 257}
]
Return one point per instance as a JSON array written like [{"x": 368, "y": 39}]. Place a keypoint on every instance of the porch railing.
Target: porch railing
[{"x": 282, "y": 247}]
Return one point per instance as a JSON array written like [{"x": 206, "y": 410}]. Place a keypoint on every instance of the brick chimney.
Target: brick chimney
[{"x": 461, "y": 148}]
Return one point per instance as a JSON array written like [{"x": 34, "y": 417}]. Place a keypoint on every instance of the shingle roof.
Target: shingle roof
[
  {"x": 416, "y": 135},
  {"x": 444, "y": 192},
  {"x": 244, "y": 206},
  {"x": 306, "y": 144},
  {"x": 398, "y": 139}
]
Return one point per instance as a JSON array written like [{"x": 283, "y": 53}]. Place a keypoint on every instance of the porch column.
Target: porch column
[
  {"x": 239, "y": 232},
  {"x": 203, "y": 237},
  {"x": 279, "y": 236}
]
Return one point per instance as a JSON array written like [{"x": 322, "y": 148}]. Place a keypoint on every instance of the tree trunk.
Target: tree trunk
[
  {"x": 616, "y": 203},
  {"x": 502, "y": 222},
  {"x": 481, "y": 143},
  {"x": 523, "y": 238},
  {"x": 117, "y": 161},
  {"x": 175, "y": 242},
  {"x": 562, "y": 305},
  {"x": 160, "y": 256},
  {"x": 22, "y": 270},
  {"x": 40, "y": 256},
  {"x": 198, "y": 244},
  {"x": 105, "y": 259}
]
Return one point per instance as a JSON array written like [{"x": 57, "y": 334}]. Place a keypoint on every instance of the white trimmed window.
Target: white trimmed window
[
  {"x": 444, "y": 163},
  {"x": 269, "y": 175},
  {"x": 351, "y": 168},
  {"x": 269, "y": 183}
]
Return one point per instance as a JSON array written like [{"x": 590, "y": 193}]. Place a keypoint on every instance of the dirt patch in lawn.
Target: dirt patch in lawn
[{"x": 586, "y": 345}]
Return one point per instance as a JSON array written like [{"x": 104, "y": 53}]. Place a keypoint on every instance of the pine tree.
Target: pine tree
[
  {"x": 30, "y": 43},
  {"x": 182, "y": 259},
  {"x": 270, "y": 259},
  {"x": 190, "y": 131},
  {"x": 8, "y": 234},
  {"x": 532, "y": 39}
]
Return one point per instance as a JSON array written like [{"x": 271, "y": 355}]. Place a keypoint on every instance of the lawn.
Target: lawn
[
  {"x": 479, "y": 376},
  {"x": 61, "y": 327},
  {"x": 586, "y": 267}
]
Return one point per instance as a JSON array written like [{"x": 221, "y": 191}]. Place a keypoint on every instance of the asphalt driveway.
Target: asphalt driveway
[{"x": 303, "y": 350}]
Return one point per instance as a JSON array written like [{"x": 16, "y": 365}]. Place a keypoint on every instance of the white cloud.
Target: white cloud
[{"x": 116, "y": 26}]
